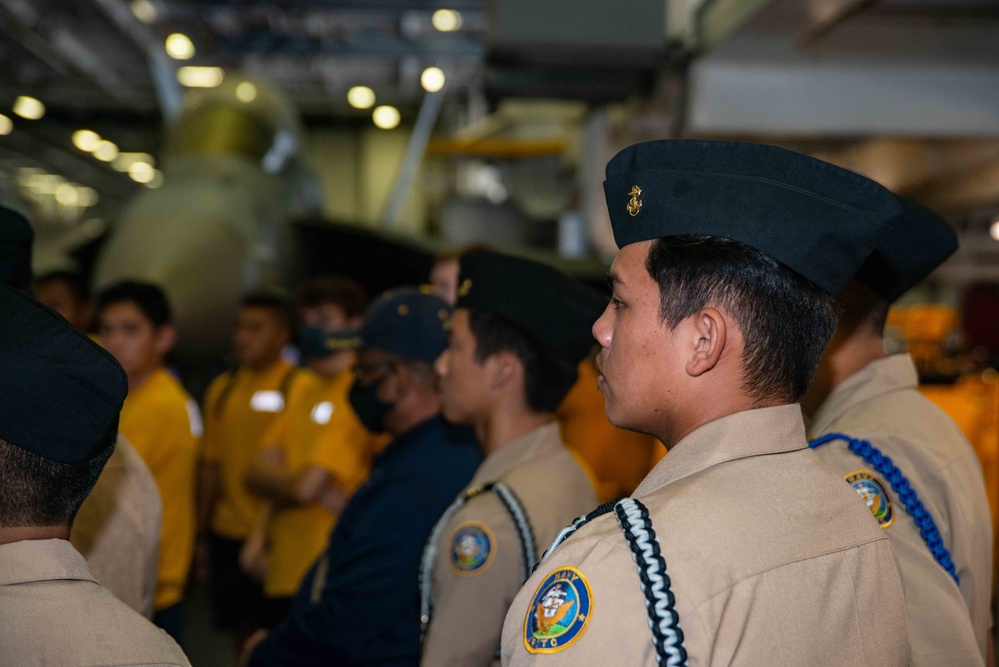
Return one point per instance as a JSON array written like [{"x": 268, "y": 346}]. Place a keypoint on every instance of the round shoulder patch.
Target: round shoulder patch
[
  {"x": 874, "y": 492},
  {"x": 472, "y": 548},
  {"x": 559, "y": 611}
]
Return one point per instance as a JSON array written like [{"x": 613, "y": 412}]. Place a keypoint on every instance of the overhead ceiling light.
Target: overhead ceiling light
[
  {"x": 361, "y": 97},
  {"x": 86, "y": 196},
  {"x": 432, "y": 79},
  {"x": 6, "y": 125},
  {"x": 385, "y": 117},
  {"x": 86, "y": 140},
  {"x": 157, "y": 179},
  {"x": 179, "y": 46},
  {"x": 446, "y": 20},
  {"x": 29, "y": 107},
  {"x": 66, "y": 195},
  {"x": 105, "y": 151},
  {"x": 200, "y": 77},
  {"x": 144, "y": 10},
  {"x": 126, "y": 160},
  {"x": 141, "y": 172},
  {"x": 246, "y": 92},
  {"x": 46, "y": 184},
  {"x": 994, "y": 230}
]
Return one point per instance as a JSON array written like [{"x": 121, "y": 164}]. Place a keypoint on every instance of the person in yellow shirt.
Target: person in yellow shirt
[
  {"x": 241, "y": 405},
  {"x": 162, "y": 422},
  {"x": 317, "y": 453}
]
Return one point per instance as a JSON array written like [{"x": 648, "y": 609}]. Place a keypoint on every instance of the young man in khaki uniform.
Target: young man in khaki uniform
[
  {"x": 740, "y": 547},
  {"x": 517, "y": 335},
  {"x": 59, "y": 403},
  {"x": 871, "y": 399}
]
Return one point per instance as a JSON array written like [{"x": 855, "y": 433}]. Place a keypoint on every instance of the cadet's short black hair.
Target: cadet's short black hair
[
  {"x": 340, "y": 291},
  {"x": 38, "y": 492},
  {"x": 72, "y": 280},
  {"x": 785, "y": 320},
  {"x": 276, "y": 301},
  {"x": 149, "y": 298},
  {"x": 547, "y": 380}
]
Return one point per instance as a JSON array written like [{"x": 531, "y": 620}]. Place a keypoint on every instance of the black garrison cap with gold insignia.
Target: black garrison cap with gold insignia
[
  {"x": 408, "y": 322},
  {"x": 555, "y": 309},
  {"x": 15, "y": 249},
  {"x": 819, "y": 220},
  {"x": 61, "y": 393},
  {"x": 917, "y": 242}
]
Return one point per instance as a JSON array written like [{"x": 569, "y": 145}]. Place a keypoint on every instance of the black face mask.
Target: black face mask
[{"x": 370, "y": 409}]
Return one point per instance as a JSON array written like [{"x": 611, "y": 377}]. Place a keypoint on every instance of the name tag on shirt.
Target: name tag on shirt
[
  {"x": 267, "y": 400},
  {"x": 321, "y": 412},
  {"x": 194, "y": 419}
]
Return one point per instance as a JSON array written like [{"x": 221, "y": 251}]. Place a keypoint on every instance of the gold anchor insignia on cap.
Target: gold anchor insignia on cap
[
  {"x": 634, "y": 204},
  {"x": 465, "y": 287}
]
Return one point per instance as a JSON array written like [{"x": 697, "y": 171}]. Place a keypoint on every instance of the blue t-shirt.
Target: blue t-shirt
[{"x": 369, "y": 613}]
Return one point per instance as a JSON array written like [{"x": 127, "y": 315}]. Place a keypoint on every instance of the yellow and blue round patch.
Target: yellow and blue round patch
[
  {"x": 472, "y": 548},
  {"x": 870, "y": 487},
  {"x": 559, "y": 611}
]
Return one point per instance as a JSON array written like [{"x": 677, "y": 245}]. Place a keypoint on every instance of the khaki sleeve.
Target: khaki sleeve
[{"x": 478, "y": 572}]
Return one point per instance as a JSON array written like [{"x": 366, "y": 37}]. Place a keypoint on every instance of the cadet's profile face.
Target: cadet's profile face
[
  {"x": 132, "y": 338},
  {"x": 260, "y": 335},
  {"x": 464, "y": 382},
  {"x": 61, "y": 297},
  {"x": 634, "y": 361},
  {"x": 444, "y": 280}
]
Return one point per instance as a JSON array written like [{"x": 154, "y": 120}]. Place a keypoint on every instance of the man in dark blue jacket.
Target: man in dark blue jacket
[{"x": 359, "y": 604}]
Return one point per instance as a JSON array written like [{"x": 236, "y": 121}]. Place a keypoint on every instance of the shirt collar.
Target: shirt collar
[
  {"x": 41, "y": 560},
  {"x": 527, "y": 447},
  {"x": 738, "y": 436},
  {"x": 876, "y": 378}
]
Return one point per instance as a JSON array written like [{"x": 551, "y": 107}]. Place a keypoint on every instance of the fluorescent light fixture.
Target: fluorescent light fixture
[
  {"x": 361, "y": 97},
  {"x": 200, "y": 77},
  {"x": 105, "y": 151},
  {"x": 86, "y": 140},
  {"x": 157, "y": 179},
  {"x": 144, "y": 10},
  {"x": 385, "y": 117},
  {"x": 141, "y": 172},
  {"x": 994, "y": 230},
  {"x": 6, "y": 125},
  {"x": 179, "y": 46},
  {"x": 29, "y": 107},
  {"x": 432, "y": 79},
  {"x": 446, "y": 20},
  {"x": 246, "y": 92}
]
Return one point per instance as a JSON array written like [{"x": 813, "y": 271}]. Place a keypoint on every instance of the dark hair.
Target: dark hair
[
  {"x": 785, "y": 320},
  {"x": 859, "y": 307},
  {"x": 72, "y": 280},
  {"x": 149, "y": 298},
  {"x": 458, "y": 252},
  {"x": 275, "y": 301},
  {"x": 340, "y": 291},
  {"x": 546, "y": 379},
  {"x": 38, "y": 492}
]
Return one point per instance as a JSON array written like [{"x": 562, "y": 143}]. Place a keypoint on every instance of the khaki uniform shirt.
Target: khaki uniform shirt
[
  {"x": 480, "y": 564},
  {"x": 773, "y": 561},
  {"x": 53, "y": 612},
  {"x": 947, "y": 625},
  {"x": 118, "y": 529}
]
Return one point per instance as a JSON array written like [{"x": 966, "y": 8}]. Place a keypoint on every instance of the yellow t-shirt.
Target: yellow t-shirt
[
  {"x": 239, "y": 408},
  {"x": 163, "y": 423},
  {"x": 319, "y": 428}
]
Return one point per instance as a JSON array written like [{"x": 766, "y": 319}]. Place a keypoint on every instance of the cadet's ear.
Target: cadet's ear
[
  {"x": 166, "y": 338},
  {"x": 504, "y": 370},
  {"x": 709, "y": 337}
]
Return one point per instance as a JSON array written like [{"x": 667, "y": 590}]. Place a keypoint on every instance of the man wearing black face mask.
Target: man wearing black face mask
[{"x": 359, "y": 604}]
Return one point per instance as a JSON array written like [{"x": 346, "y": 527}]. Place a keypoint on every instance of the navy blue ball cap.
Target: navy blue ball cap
[
  {"x": 407, "y": 322},
  {"x": 61, "y": 393},
  {"x": 15, "y": 249},
  {"x": 917, "y": 242},
  {"x": 818, "y": 219},
  {"x": 554, "y": 309}
]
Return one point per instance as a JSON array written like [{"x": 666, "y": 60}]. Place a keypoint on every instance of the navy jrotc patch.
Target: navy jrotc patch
[
  {"x": 472, "y": 548},
  {"x": 874, "y": 493},
  {"x": 559, "y": 611}
]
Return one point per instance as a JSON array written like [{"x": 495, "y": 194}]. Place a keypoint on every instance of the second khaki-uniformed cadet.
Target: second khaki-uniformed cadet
[
  {"x": 905, "y": 457},
  {"x": 517, "y": 335},
  {"x": 740, "y": 547}
]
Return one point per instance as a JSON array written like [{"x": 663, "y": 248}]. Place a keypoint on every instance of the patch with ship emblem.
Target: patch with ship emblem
[
  {"x": 559, "y": 611},
  {"x": 472, "y": 548},
  {"x": 869, "y": 487}
]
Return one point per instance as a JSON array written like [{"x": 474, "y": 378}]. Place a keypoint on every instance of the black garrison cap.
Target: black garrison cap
[
  {"x": 917, "y": 242},
  {"x": 555, "y": 309},
  {"x": 15, "y": 249},
  {"x": 408, "y": 322},
  {"x": 818, "y": 219},
  {"x": 61, "y": 393}
]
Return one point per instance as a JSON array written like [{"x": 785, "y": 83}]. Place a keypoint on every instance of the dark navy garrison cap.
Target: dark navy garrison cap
[
  {"x": 407, "y": 322},
  {"x": 818, "y": 219},
  {"x": 61, "y": 393},
  {"x": 917, "y": 242},
  {"x": 15, "y": 249},
  {"x": 556, "y": 310}
]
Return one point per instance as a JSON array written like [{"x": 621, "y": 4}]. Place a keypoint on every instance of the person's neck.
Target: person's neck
[
  {"x": 262, "y": 366},
  {"x": 728, "y": 399},
  {"x": 505, "y": 423},
  {"x": 405, "y": 420},
  {"x": 842, "y": 360},
  {"x": 9, "y": 534},
  {"x": 136, "y": 380}
]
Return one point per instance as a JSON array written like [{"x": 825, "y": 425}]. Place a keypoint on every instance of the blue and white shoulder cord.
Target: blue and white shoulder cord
[
  {"x": 660, "y": 603},
  {"x": 906, "y": 494}
]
